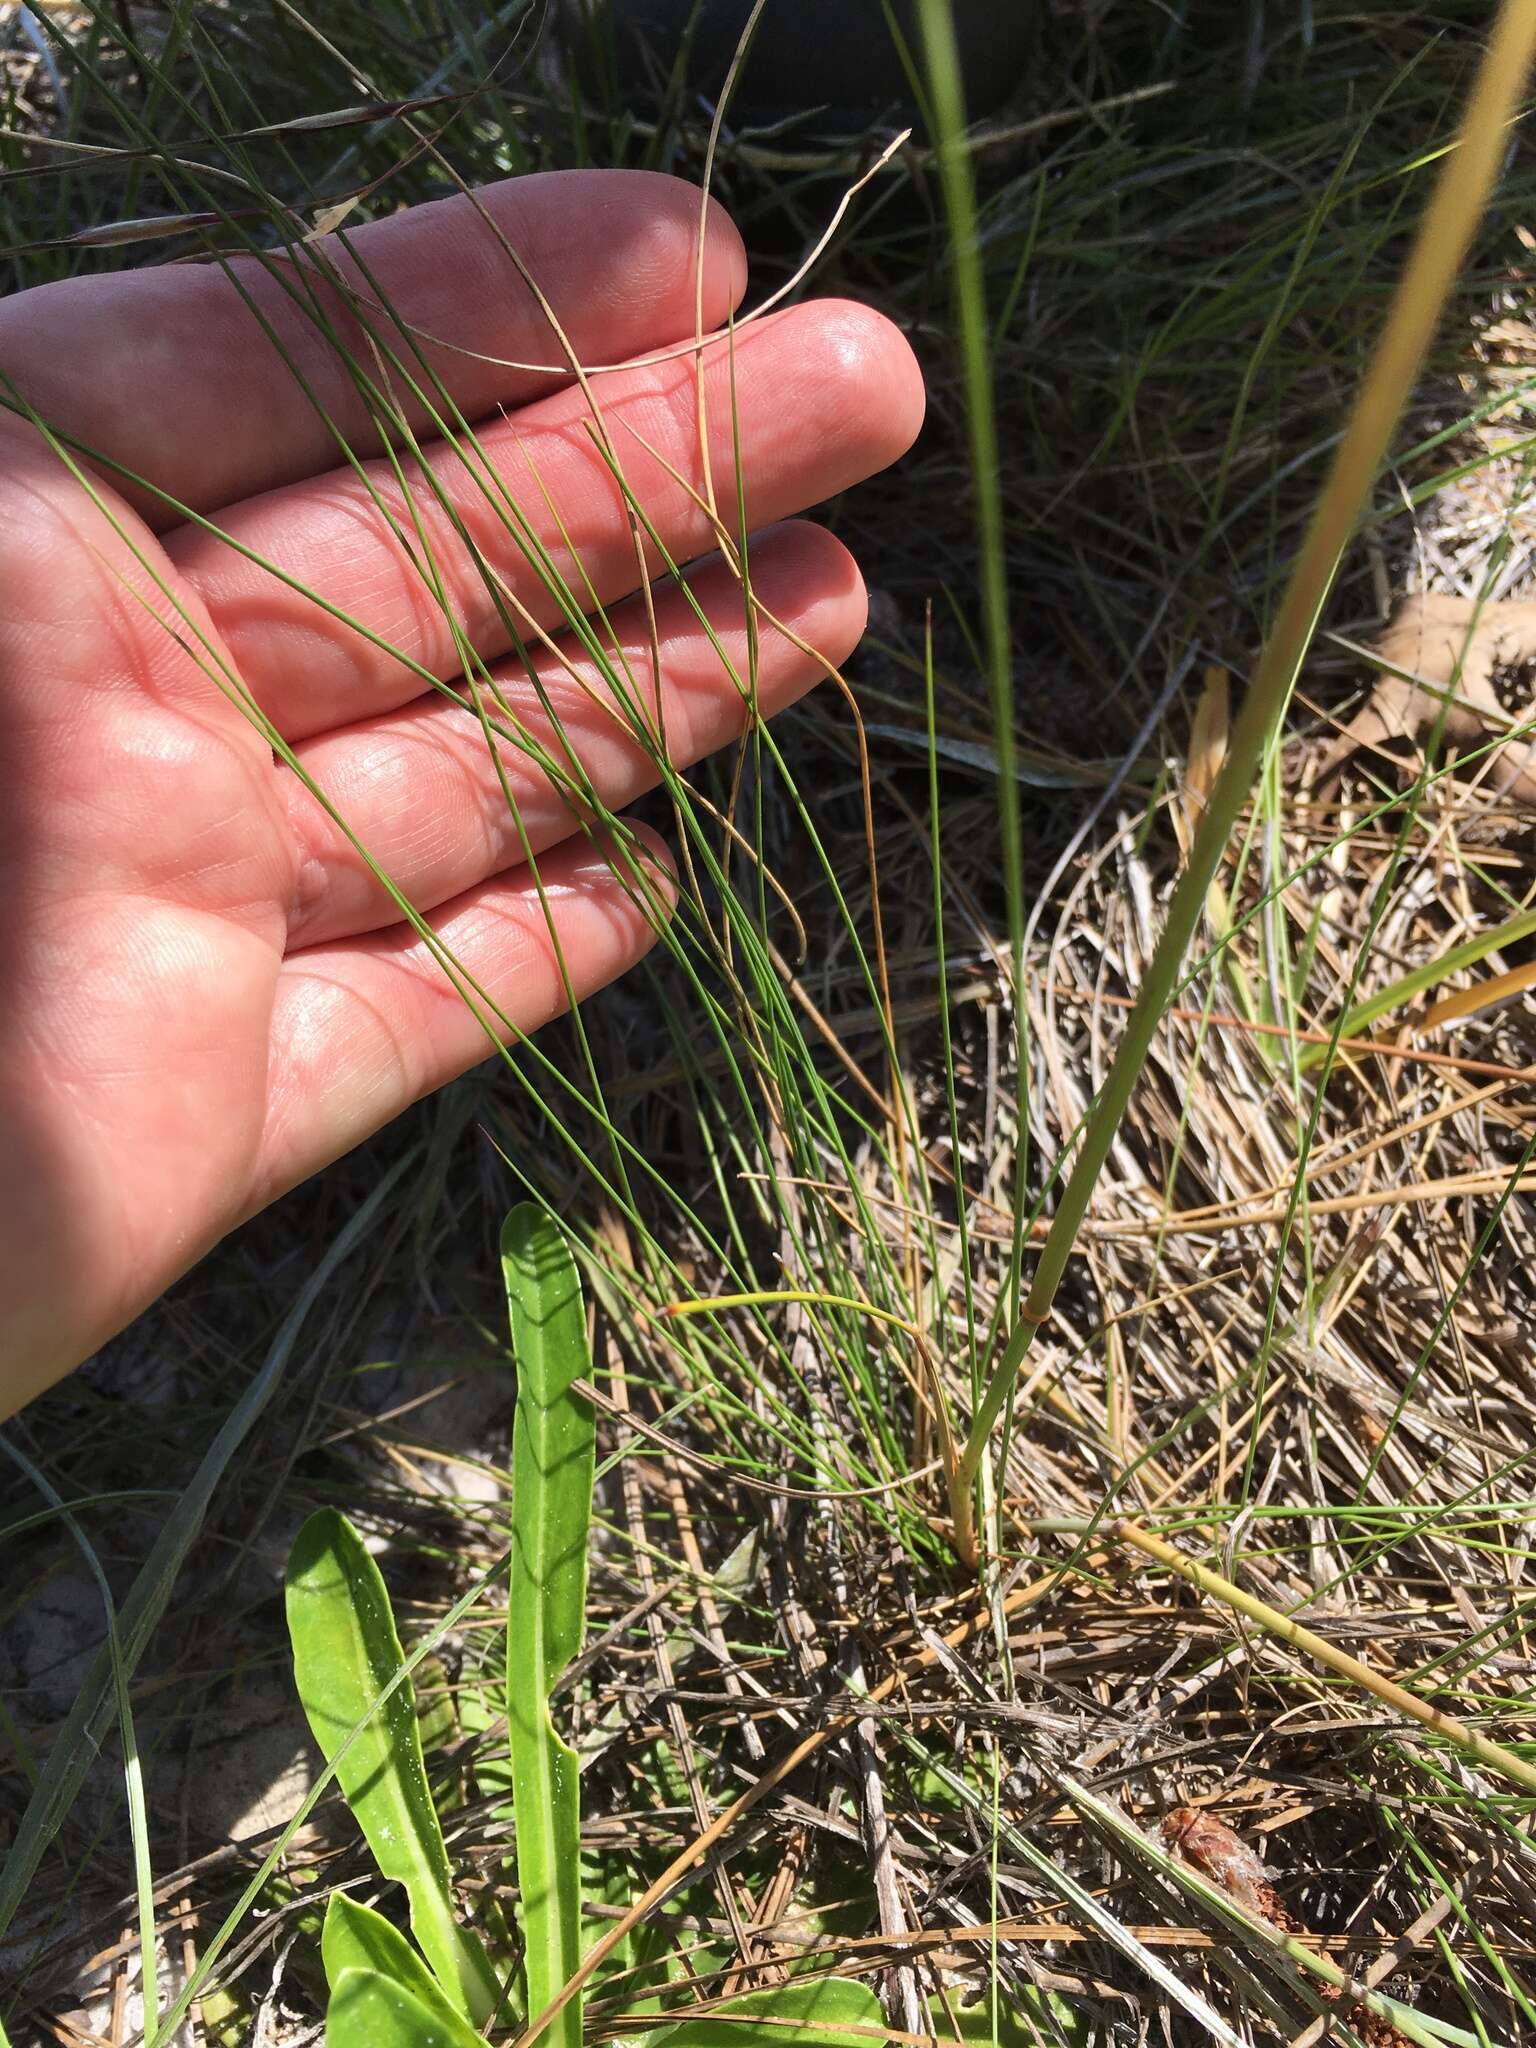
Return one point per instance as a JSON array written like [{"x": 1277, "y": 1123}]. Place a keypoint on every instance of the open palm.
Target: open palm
[{"x": 208, "y": 994}]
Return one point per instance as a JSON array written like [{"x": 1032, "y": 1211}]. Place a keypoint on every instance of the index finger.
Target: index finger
[{"x": 173, "y": 373}]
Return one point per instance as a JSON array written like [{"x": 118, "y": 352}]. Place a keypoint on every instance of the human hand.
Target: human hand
[{"x": 207, "y": 995}]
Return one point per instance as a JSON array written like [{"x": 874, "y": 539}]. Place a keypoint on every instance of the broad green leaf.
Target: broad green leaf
[
  {"x": 345, "y": 1653},
  {"x": 368, "y": 2011},
  {"x": 1026, "y": 2018},
  {"x": 227, "y": 2020},
  {"x": 357, "y": 1938},
  {"x": 821, "y": 2012},
  {"x": 552, "y": 1465}
]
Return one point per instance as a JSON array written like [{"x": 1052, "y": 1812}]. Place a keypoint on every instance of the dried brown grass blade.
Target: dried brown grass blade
[
  {"x": 774, "y": 1776},
  {"x": 1467, "y": 1002}
]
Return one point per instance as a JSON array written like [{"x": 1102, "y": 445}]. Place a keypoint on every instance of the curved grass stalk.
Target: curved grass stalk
[
  {"x": 1491, "y": 1755},
  {"x": 133, "y": 1770},
  {"x": 76, "y": 1744},
  {"x": 709, "y": 1304},
  {"x": 1466, "y": 181}
]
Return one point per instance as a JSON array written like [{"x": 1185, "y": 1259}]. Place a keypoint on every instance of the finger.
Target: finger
[
  {"x": 822, "y": 396},
  {"x": 362, "y": 1029},
  {"x": 186, "y": 374},
  {"x": 420, "y": 789}
]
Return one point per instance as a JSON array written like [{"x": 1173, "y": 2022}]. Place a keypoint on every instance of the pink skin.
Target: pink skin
[{"x": 206, "y": 994}]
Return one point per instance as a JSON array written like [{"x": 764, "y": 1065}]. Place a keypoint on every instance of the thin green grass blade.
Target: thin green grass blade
[
  {"x": 367, "y": 2010},
  {"x": 1361, "y": 1016},
  {"x": 133, "y": 1769},
  {"x": 78, "y": 1741},
  {"x": 827, "y": 2012},
  {"x": 553, "y": 1449},
  {"x": 345, "y": 1653},
  {"x": 356, "y": 1938}
]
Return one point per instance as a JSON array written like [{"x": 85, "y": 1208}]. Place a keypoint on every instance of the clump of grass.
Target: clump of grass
[{"x": 1287, "y": 1336}]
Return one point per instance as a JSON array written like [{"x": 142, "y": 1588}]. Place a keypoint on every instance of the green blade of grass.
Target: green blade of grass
[
  {"x": 133, "y": 1773},
  {"x": 345, "y": 1653},
  {"x": 1384, "y": 1001},
  {"x": 370, "y": 2010},
  {"x": 973, "y": 328},
  {"x": 553, "y": 1451}
]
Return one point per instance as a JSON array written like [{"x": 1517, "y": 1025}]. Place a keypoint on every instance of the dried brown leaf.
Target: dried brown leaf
[
  {"x": 1438, "y": 644},
  {"x": 1208, "y": 1845}
]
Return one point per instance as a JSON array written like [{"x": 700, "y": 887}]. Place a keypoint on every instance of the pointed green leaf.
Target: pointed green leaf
[
  {"x": 368, "y": 2011},
  {"x": 357, "y": 1938},
  {"x": 820, "y": 2012},
  {"x": 345, "y": 1653},
  {"x": 552, "y": 1464}
]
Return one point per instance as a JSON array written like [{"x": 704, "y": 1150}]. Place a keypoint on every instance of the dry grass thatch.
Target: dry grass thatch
[{"x": 1294, "y": 1338}]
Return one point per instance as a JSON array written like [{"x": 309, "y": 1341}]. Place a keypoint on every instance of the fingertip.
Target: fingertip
[
  {"x": 868, "y": 357},
  {"x": 661, "y": 236},
  {"x": 649, "y": 841},
  {"x": 830, "y": 392},
  {"x": 801, "y": 572},
  {"x": 649, "y": 861}
]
